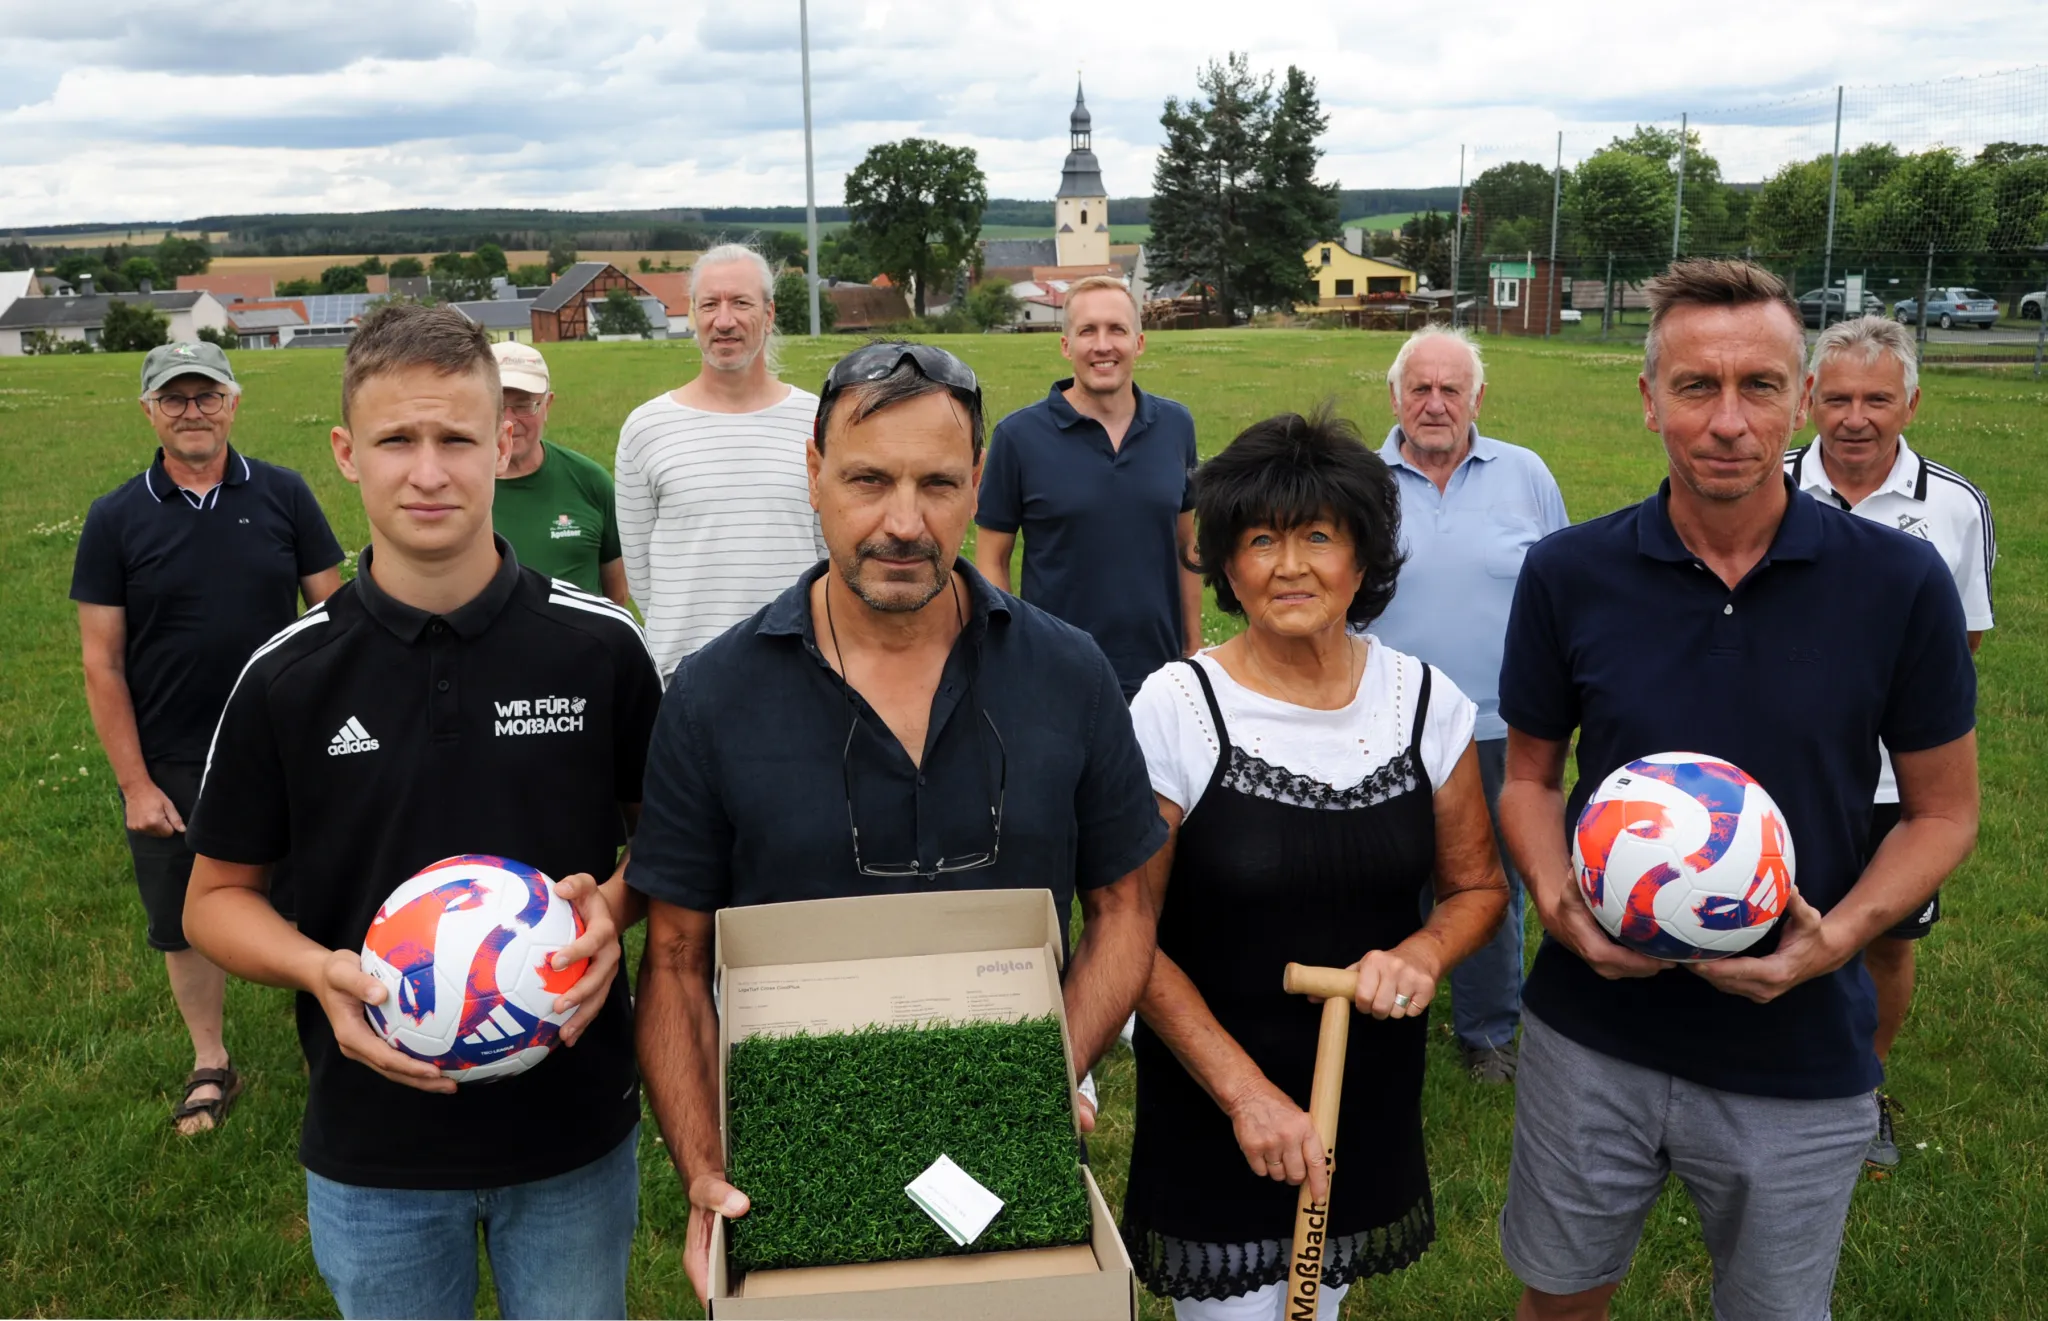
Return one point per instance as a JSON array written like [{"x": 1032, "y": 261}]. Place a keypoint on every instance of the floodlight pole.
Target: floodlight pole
[
  {"x": 1678, "y": 201},
  {"x": 1458, "y": 234},
  {"x": 1827, "y": 261},
  {"x": 803, "y": 13},
  {"x": 1556, "y": 190}
]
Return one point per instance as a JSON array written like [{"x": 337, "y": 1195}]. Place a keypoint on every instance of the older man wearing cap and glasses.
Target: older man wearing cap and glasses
[
  {"x": 554, "y": 505},
  {"x": 182, "y": 572},
  {"x": 975, "y": 741}
]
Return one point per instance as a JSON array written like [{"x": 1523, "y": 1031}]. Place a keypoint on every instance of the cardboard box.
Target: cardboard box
[{"x": 835, "y": 965}]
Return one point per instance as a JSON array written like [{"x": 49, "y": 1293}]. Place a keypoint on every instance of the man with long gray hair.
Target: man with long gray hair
[
  {"x": 714, "y": 505},
  {"x": 1863, "y": 383}
]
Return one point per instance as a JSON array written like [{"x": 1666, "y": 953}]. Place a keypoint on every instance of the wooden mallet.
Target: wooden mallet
[{"x": 1311, "y": 1218}]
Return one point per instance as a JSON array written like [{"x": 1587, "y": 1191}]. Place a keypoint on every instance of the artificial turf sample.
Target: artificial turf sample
[{"x": 824, "y": 1132}]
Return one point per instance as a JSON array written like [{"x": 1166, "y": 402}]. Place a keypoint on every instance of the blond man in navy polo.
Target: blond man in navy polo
[
  {"x": 445, "y": 702},
  {"x": 181, "y": 572},
  {"x": 1471, "y": 507},
  {"x": 1730, "y": 614},
  {"x": 1863, "y": 386},
  {"x": 1095, "y": 476}
]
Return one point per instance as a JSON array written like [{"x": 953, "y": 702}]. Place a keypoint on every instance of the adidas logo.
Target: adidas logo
[{"x": 352, "y": 738}]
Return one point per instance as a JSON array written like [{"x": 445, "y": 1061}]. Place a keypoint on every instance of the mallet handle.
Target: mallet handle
[
  {"x": 1326, "y": 1093},
  {"x": 1329, "y": 983}
]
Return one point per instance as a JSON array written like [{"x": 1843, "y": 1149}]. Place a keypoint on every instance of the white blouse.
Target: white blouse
[{"x": 1337, "y": 749}]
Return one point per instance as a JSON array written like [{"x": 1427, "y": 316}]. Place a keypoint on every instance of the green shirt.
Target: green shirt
[{"x": 559, "y": 517}]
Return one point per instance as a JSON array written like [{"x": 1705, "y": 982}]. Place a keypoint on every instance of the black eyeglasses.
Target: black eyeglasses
[
  {"x": 872, "y": 362},
  {"x": 208, "y": 403},
  {"x": 944, "y": 866}
]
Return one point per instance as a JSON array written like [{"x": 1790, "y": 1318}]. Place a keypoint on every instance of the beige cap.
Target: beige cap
[{"x": 520, "y": 366}]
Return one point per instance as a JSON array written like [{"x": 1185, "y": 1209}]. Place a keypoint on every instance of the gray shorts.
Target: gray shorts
[{"x": 1595, "y": 1139}]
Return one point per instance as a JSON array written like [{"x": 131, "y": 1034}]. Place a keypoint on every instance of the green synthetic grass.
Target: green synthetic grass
[
  {"x": 110, "y": 1214},
  {"x": 825, "y": 1131}
]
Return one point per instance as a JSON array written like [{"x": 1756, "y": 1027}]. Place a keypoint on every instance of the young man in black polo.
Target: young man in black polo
[
  {"x": 366, "y": 742},
  {"x": 181, "y": 573},
  {"x": 1095, "y": 475},
  {"x": 977, "y": 742},
  {"x": 1731, "y": 614}
]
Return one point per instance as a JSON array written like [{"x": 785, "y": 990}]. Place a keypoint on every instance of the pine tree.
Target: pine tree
[{"x": 1290, "y": 212}]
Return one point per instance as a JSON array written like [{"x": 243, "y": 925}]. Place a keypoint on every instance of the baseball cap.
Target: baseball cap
[
  {"x": 520, "y": 366},
  {"x": 167, "y": 362}
]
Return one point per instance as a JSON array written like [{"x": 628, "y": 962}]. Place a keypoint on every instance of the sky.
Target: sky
[{"x": 132, "y": 110}]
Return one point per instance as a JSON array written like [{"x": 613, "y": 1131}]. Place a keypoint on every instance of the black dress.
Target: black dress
[{"x": 1273, "y": 867}]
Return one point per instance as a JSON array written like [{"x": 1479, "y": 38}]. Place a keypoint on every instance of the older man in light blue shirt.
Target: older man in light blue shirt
[{"x": 1471, "y": 507}]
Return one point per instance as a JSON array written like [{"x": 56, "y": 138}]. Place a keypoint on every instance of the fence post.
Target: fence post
[
  {"x": 1607, "y": 298},
  {"x": 1926, "y": 286},
  {"x": 1458, "y": 235},
  {"x": 2040, "y": 340},
  {"x": 1827, "y": 260},
  {"x": 1678, "y": 200},
  {"x": 1556, "y": 190}
]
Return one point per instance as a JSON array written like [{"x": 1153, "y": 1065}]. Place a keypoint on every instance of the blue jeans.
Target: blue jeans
[
  {"x": 1486, "y": 989},
  {"x": 558, "y": 1246}
]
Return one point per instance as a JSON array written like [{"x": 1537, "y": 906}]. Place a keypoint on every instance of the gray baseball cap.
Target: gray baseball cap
[{"x": 167, "y": 362}]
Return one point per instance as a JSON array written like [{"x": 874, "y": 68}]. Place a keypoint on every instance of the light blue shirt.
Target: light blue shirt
[{"x": 1465, "y": 546}]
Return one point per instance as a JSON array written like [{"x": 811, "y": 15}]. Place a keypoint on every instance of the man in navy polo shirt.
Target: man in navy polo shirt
[
  {"x": 181, "y": 572},
  {"x": 1095, "y": 476},
  {"x": 389, "y": 729},
  {"x": 1733, "y": 615},
  {"x": 889, "y": 724}
]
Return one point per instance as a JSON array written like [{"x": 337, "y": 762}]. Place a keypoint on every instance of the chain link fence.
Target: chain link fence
[{"x": 1927, "y": 202}]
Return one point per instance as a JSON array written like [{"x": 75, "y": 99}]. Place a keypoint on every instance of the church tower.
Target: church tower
[{"x": 1080, "y": 213}]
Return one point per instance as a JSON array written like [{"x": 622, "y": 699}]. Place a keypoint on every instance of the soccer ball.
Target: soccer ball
[
  {"x": 1683, "y": 857},
  {"x": 463, "y": 950}
]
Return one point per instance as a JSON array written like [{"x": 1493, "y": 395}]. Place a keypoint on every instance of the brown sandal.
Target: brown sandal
[{"x": 215, "y": 1108}]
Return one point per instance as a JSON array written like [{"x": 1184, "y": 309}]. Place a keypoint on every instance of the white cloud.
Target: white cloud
[{"x": 167, "y": 109}]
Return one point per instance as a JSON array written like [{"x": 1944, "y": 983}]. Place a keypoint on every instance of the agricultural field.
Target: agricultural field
[
  {"x": 113, "y": 1215},
  {"x": 309, "y": 268},
  {"x": 1384, "y": 220}
]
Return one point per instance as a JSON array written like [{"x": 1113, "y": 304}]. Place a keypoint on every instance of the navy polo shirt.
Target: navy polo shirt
[
  {"x": 1844, "y": 633},
  {"x": 203, "y": 579},
  {"x": 750, "y": 771},
  {"x": 1101, "y": 548}
]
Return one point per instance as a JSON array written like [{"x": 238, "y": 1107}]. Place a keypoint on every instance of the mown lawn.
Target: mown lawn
[{"x": 112, "y": 1214}]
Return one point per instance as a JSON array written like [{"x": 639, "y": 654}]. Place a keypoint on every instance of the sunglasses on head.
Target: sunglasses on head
[{"x": 873, "y": 362}]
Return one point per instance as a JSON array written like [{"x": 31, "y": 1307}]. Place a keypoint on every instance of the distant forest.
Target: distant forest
[{"x": 676, "y": 228}]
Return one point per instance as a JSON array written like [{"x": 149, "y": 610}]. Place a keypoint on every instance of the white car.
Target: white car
[{"x": 2030, "y": 305}]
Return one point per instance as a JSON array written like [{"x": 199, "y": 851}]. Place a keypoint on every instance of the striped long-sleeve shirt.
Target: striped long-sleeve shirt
[{"x": 715, "y": 516}]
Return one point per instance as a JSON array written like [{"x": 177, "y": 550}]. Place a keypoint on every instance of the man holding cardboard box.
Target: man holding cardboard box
[{"x": 975, "y": 742}]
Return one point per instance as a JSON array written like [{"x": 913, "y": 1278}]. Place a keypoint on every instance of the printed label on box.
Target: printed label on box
[
  {"x": 784, "y": 999},
  {"x": 954, "y": 1200}
]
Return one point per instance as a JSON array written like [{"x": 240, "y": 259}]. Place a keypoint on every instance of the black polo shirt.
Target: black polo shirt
[
  {"x": 371, "y": 739},
  {"x": 1101, "y": 547},
  {"x": 747, "y": 799},
  {"x": 203, "y": 579},
  {"x": 1846, "y": 632}
]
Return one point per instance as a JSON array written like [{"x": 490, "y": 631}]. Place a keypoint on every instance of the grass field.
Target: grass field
[
  {"x": 111, "y": 1214},
  {"x": 1383, "y": 220}
]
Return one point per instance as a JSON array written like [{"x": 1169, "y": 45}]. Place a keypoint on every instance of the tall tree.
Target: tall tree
[
  {"x": 182, "y": 256},
  {"x": 1706, "y": 197},
  {"x": 1510, "y": 205},
  {"x": 1621, "y": 204},
  {"x": 1235, "y": 201},
  {"x": 1289, "y": 211},
  {"x": 1790, "y": 215},
  {"x": 620, "y": 313},
  {"x": 1933, "y": 198},
  {"x": 916, "y": 208},
  {"x": 793, "y": 306}
]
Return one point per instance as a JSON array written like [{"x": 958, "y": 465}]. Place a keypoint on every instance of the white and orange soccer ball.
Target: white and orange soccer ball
[
  {"x": 1683, "y": 857},
  {"x": 463, "y": 950}
]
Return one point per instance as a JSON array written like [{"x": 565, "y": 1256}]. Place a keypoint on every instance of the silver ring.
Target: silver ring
[{"x": 1402, "y": 1001}]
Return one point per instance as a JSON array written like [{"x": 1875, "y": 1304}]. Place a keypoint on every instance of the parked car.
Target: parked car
[
  {"x": 1809, "y": 306},
  {"x": 1571, "y": 316},
  {"x": 2030, "y": 305},
  {"x": 1951, "y": 307}
]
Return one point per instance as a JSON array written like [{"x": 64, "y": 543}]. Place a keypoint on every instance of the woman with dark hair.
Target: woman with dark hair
[{"x": 1314, "y": 782}]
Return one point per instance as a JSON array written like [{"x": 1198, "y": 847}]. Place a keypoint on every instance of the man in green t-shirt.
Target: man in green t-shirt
[{"x": 553, "y": 504}]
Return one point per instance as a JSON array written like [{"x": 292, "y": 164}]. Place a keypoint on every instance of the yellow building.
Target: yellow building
[{"x": 1346, "y": 281}]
